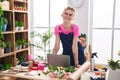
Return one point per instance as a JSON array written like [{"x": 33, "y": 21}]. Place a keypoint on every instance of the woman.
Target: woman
[{"x": 68, "y": 33}]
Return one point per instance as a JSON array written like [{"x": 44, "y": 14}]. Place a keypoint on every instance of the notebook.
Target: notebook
[{"x": 58, "y": 60}]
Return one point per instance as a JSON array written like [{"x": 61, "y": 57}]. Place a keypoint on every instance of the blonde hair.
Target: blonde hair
[{"x": 69, "y": 8}]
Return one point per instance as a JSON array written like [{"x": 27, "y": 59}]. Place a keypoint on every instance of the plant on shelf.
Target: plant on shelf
[
  {"x": 8, "y": 46},
  {"x": 2, "y": 44},
  {"x": 18, "y": 44},
  {"x": 5, "y": 22},
  {"x": 19, "y": 25},
  {"x": 24, "y": 43},
  {"x": 1, "y": 22}
]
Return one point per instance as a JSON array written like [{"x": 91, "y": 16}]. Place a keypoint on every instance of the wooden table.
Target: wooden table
[{"x": 34, "y": 74}]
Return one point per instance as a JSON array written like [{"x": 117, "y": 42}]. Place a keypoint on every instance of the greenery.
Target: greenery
[
  {"x": 60, "y": 71},
  {"x": 23, "y": 42},
  {"x": 8, "y": 44},
  {"x": 16, "y": 23},
  {"x": 7, "y": 66},
  {"x": 44, "y": 38},
  {"x": 114, "y": 64},
  {"x": 21, "y": 58},
  {"x": 2, "y": 44},
  {"x": 19, "y": 23},
  {"x": 1, "y": 22},
  {"x": 5, "y": 21}
]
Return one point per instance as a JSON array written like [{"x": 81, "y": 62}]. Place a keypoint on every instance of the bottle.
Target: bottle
[{"x": 93, "y": 61}]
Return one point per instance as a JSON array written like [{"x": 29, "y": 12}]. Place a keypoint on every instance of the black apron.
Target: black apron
[{"x": 67, "y": 40}]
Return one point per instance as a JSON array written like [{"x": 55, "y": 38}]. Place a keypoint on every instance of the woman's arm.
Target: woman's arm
[
  {"x": 75, "y": 50},
  {"x": 57, "y": 45}
]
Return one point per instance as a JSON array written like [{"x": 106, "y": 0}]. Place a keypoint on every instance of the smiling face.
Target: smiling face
[{"x": 68, "y": 15}]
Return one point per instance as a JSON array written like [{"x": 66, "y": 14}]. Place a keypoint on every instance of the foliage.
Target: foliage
[
  {"x": 44, "y": 38},
  {"x": 61, "y": 71},
  {"x": 1, "y": 22},
  {"x": 7, "y": 66},
  {"x": 5, "y": 21},
  {"x": 114, "y": 64},
  {"x": 83, "y": 36},
  {"x": 21, "y": 58},
  {"x": 2, "y": 44},
  {"x": 8, "y": 44},
  {"x": 19, "y": 23}
]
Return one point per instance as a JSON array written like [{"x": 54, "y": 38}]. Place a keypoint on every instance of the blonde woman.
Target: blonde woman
[{"x": 68, "y": 32}]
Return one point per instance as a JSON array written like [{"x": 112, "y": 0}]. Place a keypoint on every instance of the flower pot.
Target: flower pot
[
  {"x": 1, "y": 51},
  {"x": 16, "y": 28},
  {"x": 7, "y": 50},
  {"x": 4, "y": 27},
  {"x": 113, "y": 74}
]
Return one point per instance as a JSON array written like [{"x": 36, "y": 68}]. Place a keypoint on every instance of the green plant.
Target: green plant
[
  {"x": 2, "y": 44},
  {"x": 20, "y": 23},
  {"x": 8, "y": 44},
  {"x": 114, "y": 64},
  {"x": 21, "y": 58},
  {"x": 16, "y": 23},
  {"x": 44, "y": 38},
  {"x": 7, "y": 66},
  {"x": 5, "y": 21},
  {"x": 1, "y": 22}
]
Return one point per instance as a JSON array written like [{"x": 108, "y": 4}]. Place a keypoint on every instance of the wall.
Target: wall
[{"x": 82, "y": 17}]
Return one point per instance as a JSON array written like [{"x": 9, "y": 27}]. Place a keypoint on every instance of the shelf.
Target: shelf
[
  {"x": 8, "y": 32},
  {"x": 17, "y": 11},
  {"x": 22, "y": 1},
  {"x": 21, "y": 31},
  {"x": 6, "y": 54},
  {"x": 21, "y": 50}
]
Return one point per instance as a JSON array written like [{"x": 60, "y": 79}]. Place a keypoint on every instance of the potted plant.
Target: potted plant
[
  {"x": 2, "y": 46},
  {"x": 16, "y": 25},
  {"x": 8, "y": 46},
  {"x": 114, "y": 64},
  {"x": 114, "y": 70},
  {"x": 21, "y": 25},
  {"x": 5, "y": 22},
  {"x": 24, "y": 43},
  {"x": 18, "y": 44},
  {"x": 44, "y": 38}
]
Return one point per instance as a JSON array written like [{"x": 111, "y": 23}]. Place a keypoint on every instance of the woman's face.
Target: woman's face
[{"x": 68, "y": 16}]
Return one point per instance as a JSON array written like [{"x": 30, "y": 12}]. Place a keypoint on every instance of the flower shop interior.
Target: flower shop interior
[{"x": 27, "y": 38}]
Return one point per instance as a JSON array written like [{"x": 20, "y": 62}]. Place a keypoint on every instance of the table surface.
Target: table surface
[{"x": 33, "y": 74}]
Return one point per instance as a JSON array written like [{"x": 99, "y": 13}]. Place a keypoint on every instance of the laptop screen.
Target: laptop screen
[{"x": 58, "y": 60}]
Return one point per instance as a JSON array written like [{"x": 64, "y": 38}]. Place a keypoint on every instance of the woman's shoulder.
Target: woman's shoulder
[{"x": 75, "y": 27}]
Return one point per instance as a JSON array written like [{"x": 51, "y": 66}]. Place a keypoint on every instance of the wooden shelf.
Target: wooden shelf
[
  {"x": 14, "y": 14},
  {"x": 6, "y": 54}
]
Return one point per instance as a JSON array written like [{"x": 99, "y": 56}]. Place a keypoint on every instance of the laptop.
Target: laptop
[{"x": 58, "y": 60}]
